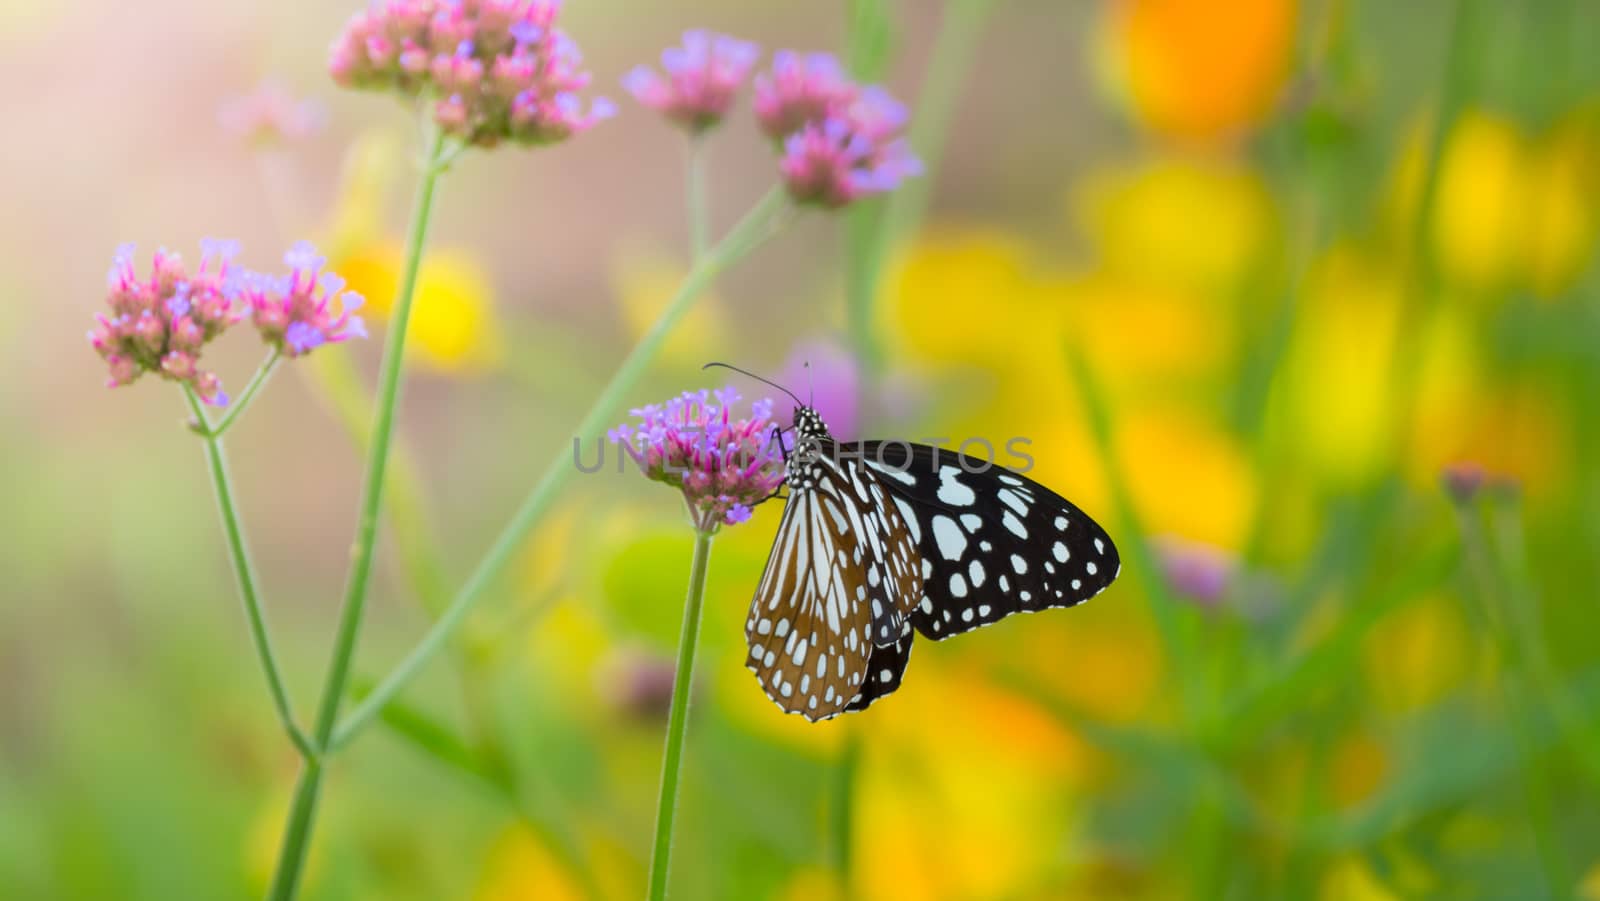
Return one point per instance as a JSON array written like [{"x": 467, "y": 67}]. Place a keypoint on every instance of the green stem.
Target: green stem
[
  {"x": 244, "y": 573},
  {"x": 297, "y": 835},
  {"x": 697, "y": 202},
  {"x": 759, "y": 224},
  {"x": 1537, "y": 793},
  {"x": 875, "y": 228},
  {"x": 677, "y": 723},
  {"x": 242, "y": 402}
]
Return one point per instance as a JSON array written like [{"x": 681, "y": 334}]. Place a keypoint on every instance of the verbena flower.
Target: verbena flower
[
  {"x": 702, "y": 78},
  {"x": 723, "y": 465},
  {"x": 494, "y": 69},
  {"x": 800, "y": 89},
  {"x": 1463, "y": 481},
  {"x": 1197, "y": 572},
  {"x": 850, "y": 154},
  {"x": 301, "y": 311},
  {"x": 160, "y": 324},
  {"x": 270, "y": 114}
]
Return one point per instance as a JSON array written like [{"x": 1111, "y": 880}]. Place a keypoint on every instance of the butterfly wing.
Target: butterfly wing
[
  {"x": 992, "y": 542},
  {"x": 842, "y": 579}
]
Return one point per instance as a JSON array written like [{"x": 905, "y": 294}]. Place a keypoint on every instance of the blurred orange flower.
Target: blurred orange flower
[{"x": 1199, "y": 70}]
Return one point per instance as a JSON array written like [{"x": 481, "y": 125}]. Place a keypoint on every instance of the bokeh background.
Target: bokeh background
[{"x": 1254, "y": 276}]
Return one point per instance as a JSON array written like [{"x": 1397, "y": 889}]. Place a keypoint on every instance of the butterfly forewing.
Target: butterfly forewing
[
  {"x": 992, "y": 542},
  {"x": 841, "y": 580}
]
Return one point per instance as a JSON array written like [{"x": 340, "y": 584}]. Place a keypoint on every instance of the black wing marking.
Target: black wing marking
[
  {"x": 885, "y": 669},
  {"x": 992, "y": 542}
]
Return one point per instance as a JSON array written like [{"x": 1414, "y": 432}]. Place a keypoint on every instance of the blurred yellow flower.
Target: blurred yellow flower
[
  {"x": 1480, "y": 214},
  {"x": 1353, "y": 880},
  {"x": 644, "y": 283},
  {"x": 1563, "y": 219},
  {"x": 1513, "y": 210},
  {"x": 453, "y": 325},
  {"x": 1193, "y": 225},
  {"x": 521, "y": 868},
  {"x": 951, "y": 272},
  {"x": 1199, "y": 70},
  {"x": 1335, "y": 395},
  {"x": 928, "y": 816},
  {"x": 1189, "y": 478},
  {"x": 1416, "y": 655},
  {"x": 1121, "y": 652}
]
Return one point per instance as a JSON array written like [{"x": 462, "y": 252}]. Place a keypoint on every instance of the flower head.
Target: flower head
[
  {"x": 850, "y": 154},
  {"x": 270, "y": 114},
  {"x": 494, "y": 69},
  {"x": 305, "y": 309},
  {"x": 159, "y": 324},
  {"x": 723, "y": 465},
  {"x": 702, "y": 77},
  {"x": 1197, "y": 572},
  {"x": 800, "y": 89}
]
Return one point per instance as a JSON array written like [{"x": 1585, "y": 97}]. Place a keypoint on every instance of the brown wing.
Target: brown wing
[{"x": 843, "y": 576}]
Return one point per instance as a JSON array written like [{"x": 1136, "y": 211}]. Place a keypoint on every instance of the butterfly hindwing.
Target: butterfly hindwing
[
  {"x": 992, "y": 542},
  {"x": 841, "y": 580}
]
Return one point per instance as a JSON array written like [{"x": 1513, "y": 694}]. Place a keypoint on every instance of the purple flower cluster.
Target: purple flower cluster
[
  {"x": 161, "y": 323},
  {"x": 495, "y": 69},
  {"x": 855, "y": 149},
  {"x": 270, "y": 114},
  {"x": 840, "y": 141},
  {"x": 723, "y": 465},
  {"x": 305, "y": 309},
  {"x": 1199, "y": 573},
  {"x": 701, "y": 79}
]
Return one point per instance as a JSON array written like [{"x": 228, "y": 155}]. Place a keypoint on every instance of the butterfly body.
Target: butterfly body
[{"x": 882, "y": 540}]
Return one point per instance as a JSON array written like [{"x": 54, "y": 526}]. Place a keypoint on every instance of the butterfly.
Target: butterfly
[{"x": 882, "y": 540}]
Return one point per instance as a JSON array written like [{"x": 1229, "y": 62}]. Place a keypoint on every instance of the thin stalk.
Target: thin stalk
[
  {"x": 759, "y": 224},
  {"x": 875, "y": 228},
  {"x": 244, "y": 573},
  {"x": 297, "y": 834},
  {"x": 1537, "y": 793},
  {"x": 242, "y": 402},
  {"x": 678, "y": 721},
  {"x": 697, "y": 200}
]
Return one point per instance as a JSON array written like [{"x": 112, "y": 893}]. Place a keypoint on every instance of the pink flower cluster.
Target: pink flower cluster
[
  {"x": 494, "y": 69},
  {"x": 270, "y": 114},
  {"x": 305, "y": 309},
  {"x": 160, "y": 324},
  {"x": 854, "y": 148},
  {"x": 723, "y": 465},
  {"x": 701, "y": 79},
  {"x": 840, "y": 141}
]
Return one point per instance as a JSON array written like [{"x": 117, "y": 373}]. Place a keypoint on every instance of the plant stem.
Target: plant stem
[
  {"x": 758, "y": 225},
  {"x": 244, "y": 573},
  {"x": 297, "y": 834},
  {"x": 677, "y": 722},
  {"x": 696, "y": 199},
  {"x": 874, "y": 228},
  {"x": 1537, "y": 792},
  {"x": 242, "y": 402}
]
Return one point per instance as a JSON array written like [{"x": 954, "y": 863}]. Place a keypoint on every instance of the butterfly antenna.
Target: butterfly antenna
[
  {"x": 811, "y": 385},
  {"x": 757, "y": 378}
]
